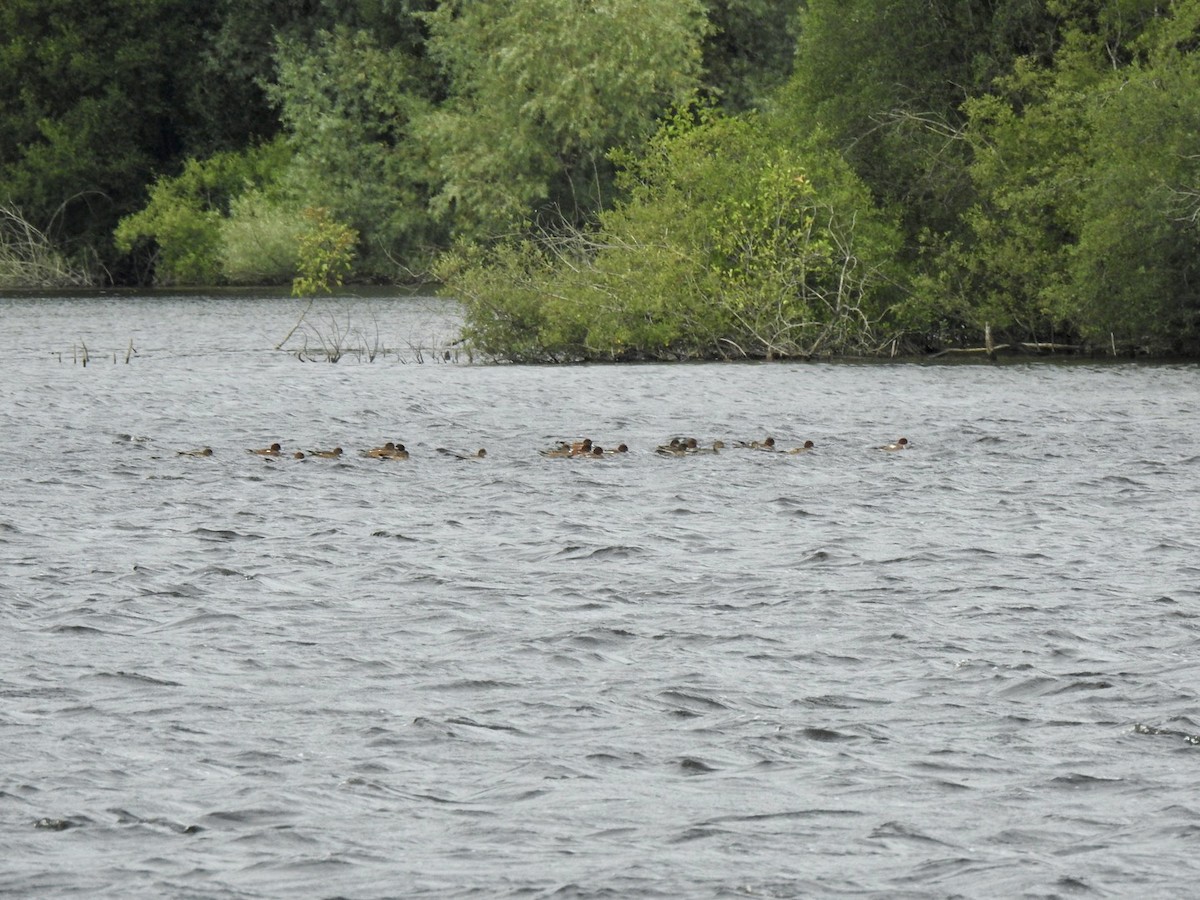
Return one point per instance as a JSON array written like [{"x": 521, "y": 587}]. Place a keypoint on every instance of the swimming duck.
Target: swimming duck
[
  {"x": 808, "y": 445},
  {"x": 898, "y": 444},
  {"x": 621, "y": 448},
  {"x": 203, "y": 451},
  {"x": 767, "y": 443},
  {"x": 380, "y": 452},
  {"x": 559, "y": 451},
  {"x": 326, "y": 454},
  {"x": 398, "y": 452},
  {"x": 678, "y": 447},
  {"x": 273, "y": 450},
  {"x": 297, "y": 455},
  {"x": 581, "y": 448},
  {"x": 481, "y": 453},
  {"x": 717, "y": 447}
]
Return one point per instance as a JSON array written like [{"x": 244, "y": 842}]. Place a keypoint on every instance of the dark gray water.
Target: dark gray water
[{"x": 969, "y": 669}]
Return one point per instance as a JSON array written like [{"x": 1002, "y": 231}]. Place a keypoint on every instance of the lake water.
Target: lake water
[{"x": 969, "y": 669}]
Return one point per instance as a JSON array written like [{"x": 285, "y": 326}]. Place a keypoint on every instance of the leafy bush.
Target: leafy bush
[
  {"x": 326, "y": 253},
  {"x": 732, "y": 242},
  {"x": 182, "y": 223},
  {"x": 259, "y": 240}
]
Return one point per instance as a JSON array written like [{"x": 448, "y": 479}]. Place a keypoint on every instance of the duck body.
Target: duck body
[
  {"x": 805, "y": 448},
  {"x": 678, "y": 447},
  {"x": 273, "y": 450},
  {"x": 898, "y": 444},
  {"x": 383, "y": 452},
  {"x": 767, "y": 443},
  {"x": 203, "y": 451},
  {"x": 335, "y": 453}
]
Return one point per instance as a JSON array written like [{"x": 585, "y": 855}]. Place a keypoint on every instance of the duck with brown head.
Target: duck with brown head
[{"x": 379, "y": 452}]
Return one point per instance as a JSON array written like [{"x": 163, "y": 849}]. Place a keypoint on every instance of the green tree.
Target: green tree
[
  {"x": 1030, "y": 145},
  {"x": 91, "y": 111},
  {"x": 1135, "y": 273},
  {"x": 540, "y": 91},
  {"x": 748, "y": 50},
  {"x": 349, "y": 105},
  {"x": 887, "y": 79},
  {"x": 1079, "y": 167}
]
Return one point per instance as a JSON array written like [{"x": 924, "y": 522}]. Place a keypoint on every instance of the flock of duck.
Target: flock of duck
[{"x": 585, "y": 448}]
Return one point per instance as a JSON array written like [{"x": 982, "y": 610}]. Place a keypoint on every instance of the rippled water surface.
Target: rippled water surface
[{"x": 969, "y": 669}]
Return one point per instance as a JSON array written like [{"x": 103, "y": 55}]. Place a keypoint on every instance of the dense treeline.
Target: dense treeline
[{"x": 629, "y": 179}]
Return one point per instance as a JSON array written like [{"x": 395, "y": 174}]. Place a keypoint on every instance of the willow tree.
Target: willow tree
[{"x": 540, "y": 91}]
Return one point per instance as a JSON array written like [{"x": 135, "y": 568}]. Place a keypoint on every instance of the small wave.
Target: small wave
[
  {"x": 204, "y": 620},
  {"x": 395, "y": 536},
  {"x": 615, "y": 551},
  {"x": 136, "y": 677},
  {"x": 221, "y": 570},
  {"x": 691, "y": 702},
  {"x": 900, "y": 830},
  {"x": 692, "y": 766},
  {"x": 697, "y": 833},
  {"x": 124, "y": 817},
  {"x": 223, "y": 534},
  {"x": 826, "y": 735},
  {"x": 75, "y": 629},
  {"x": 490, "y": 726},
  {"x": 1080, "y": 780}
]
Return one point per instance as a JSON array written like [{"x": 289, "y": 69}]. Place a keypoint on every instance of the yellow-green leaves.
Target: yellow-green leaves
[{"x": 325, "y": 253}]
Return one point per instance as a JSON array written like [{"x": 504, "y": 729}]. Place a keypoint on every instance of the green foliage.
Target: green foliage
[
  {"x": 1135, "y": 273},
  {"x": 1083, "y": 171},
  {"x": 183, "y": 222},
  {"x": 326, "y": 250},
  {"x": 748, "y": 50},
  {"x": 349, "y": 104},
  {"x": 733, "y": 242},
  {"x": 258, "y": 240},
  {"x": 29, "y": 258},
  {"x": 1035, "y": 161},
  {"x": 1030, "y": 147},
  {"x": 89, "y": 108},
  {"x": 540, "y": 91}
]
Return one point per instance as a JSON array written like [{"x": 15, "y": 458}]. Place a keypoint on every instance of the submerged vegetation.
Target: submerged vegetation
[{"x": 632, "y": 179}]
